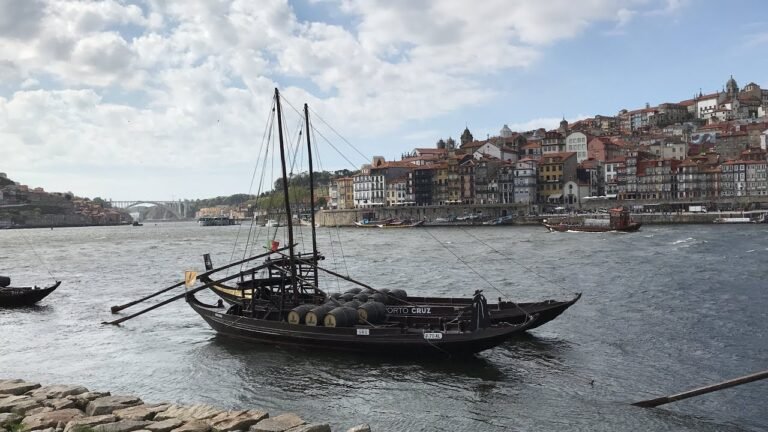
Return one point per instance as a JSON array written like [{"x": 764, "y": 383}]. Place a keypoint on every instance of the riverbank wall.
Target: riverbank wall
[
  {"x": 463, "y": 215},
  {"x": 27, "y": 406}
]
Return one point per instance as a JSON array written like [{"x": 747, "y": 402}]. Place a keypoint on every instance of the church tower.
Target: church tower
[
  {"x": 466, "y": 137},
  {"x": 731, "y": 88},
  {"x": 450, "y": 144},
  {"x": 505, "y": 132}
]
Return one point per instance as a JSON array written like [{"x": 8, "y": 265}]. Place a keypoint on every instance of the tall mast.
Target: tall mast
[
  {"x": 311, "y": 192},
  {"x": 291, "y": 252}
]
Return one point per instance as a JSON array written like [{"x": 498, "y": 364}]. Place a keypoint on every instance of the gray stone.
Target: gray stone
[
  {"x": 121, "y": 426},
  {"x": 165, "y": 425},
  {"x": 38, "y": 410},
  {"x": 237, "y": 420},
  {"x": 280, "y": 423},
  {"x": 107, "y": 404},
  {"x": 50, "y": 419},
  {"x": 360, "y": 428},
  {"x": 82, "y": 400},
  {"x": 189, "y": 413},
  {"x": 9, "y": 418},
  {"x": 140, "y": 412},
  {"x": 58, "y": 391},
  {"x": 86, "y": 423},
  {"x": 193, "y": 426},
  {"x": 59, "y": 404},
  {"x": 17, "y": 387},
  {"x": 311, "y": 428},
  {"x": 18, "y": 404}
]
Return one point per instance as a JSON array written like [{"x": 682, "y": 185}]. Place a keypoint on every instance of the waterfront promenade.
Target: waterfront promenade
[{"x": 648, "y": 213}]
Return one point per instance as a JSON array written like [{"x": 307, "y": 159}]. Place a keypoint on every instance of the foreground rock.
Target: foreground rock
[{"x": 30, "y": 407}]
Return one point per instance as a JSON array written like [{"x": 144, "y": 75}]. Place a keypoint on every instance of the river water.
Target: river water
[{"x": 664, "y": 310}]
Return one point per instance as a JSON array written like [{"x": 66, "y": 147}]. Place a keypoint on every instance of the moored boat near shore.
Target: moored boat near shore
[
  {"x": 22, "y": 296},
  {"x": 618, "y": 220},
  {"x": 217, "y": 221},
  {"x": 398, "y": 223},
  {"x": 733, "y": 220},
  {"x": 367, "y": 223}
]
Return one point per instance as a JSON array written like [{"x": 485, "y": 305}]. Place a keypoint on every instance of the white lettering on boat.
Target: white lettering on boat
[
  {"x": 363, "y": 332},
  {"x": 433, "y": 336},
  {"x": 410, "y": 310}
]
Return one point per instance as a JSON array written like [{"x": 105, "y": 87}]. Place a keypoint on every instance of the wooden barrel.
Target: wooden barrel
[
  {"x": 334, "y": 302},
  {"x": 399, "y": 294},
  {"x": 341, "y": 317},
  {"x": 354, "y": 304},
  {"x": 347, "y": 297},
  {"x": 378, "y": 297},
  {"x": 317, "y": 314},
  {"x": 5, "y": 281},
  {"x": 373, "y": 312},
  {"x": 353, "y": 291},
  {"x": 361, "y": 297},
  {"x": 297, "y": 314}
]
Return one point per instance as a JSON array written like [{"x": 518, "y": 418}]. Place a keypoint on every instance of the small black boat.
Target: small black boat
[{"x": 22, "y": 296}]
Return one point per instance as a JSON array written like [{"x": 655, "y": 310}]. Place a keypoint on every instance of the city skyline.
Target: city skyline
[{"x": 143, "y": 101}]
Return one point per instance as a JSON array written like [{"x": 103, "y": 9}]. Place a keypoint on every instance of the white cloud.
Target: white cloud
[
  {"x": 110, "y": 82},
  {"x": 20, "y": 19}
]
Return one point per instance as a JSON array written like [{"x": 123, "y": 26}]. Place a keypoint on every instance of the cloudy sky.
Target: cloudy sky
[{"x": 168, "y": 99}]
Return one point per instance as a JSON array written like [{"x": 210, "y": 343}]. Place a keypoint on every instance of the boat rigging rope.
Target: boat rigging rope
[
  {"x": 316, "y": 153},
  {"x": 265, "y": 149},
  {"x": 314, "y": 114},
  {"x": 476, "y": 272},
  {"x": 39, "y": 258},
  {"x": 511, "y": 259},
  {"x": 342, "y": 154}
]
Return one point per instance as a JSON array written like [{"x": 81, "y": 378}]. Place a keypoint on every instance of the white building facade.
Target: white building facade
[{"x": 576, "y": 142}]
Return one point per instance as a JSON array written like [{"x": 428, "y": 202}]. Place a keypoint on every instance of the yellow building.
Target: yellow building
[{"x": 555, "y": 169}]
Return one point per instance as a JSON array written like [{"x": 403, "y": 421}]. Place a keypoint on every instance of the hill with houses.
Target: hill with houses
[{"x": 711, "y": 147}]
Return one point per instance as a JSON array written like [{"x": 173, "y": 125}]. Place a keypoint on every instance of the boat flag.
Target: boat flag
[
  {"x": 275, "y": 245},
  {"x": 189, "y": 278}
]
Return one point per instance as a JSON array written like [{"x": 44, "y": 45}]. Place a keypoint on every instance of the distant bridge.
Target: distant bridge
[{"x": 178, "y": 209}]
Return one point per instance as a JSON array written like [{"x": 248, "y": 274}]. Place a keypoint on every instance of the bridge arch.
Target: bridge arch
[{"x": 177, "y": 209}]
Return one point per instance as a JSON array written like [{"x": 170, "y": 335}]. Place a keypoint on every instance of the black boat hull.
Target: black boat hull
[
  {"x": 505, "y": 311},
  {"x": 632, "y": 227},
  {"x": 393, "y": 340},
  {"x": 24, "y": 296}
]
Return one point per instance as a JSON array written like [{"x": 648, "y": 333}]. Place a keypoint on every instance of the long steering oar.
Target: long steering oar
[
  {"x": 180, "y": 296},
  {"x": 116, "y": 309}
]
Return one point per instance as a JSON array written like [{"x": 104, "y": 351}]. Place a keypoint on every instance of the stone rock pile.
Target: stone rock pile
[{"x": 26, "y": 407}]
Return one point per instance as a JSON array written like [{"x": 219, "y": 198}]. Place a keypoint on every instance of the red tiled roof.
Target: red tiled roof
[{"x": 431, "y": 150}]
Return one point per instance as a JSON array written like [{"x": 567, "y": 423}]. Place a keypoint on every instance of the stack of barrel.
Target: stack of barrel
[{"x": 345, "y": 310}]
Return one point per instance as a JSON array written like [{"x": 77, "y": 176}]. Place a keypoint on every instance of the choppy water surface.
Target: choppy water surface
[{"x": 664, "y": 310}]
